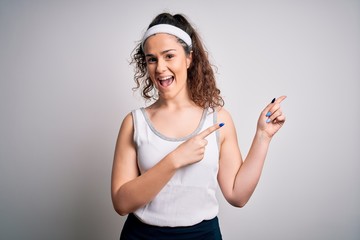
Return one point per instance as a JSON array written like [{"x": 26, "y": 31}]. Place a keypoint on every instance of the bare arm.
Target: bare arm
[
  {"x": 237, "y": 178},
  {"x": 129, "y": 189}
]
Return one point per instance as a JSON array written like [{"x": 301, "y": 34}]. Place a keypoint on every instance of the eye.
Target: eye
[
  {"x": 169, "y": 56},
  {"x": 151, "y": 60}
]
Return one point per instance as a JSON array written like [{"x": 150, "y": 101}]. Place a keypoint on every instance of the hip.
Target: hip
[{"x": 135, "y": 229}]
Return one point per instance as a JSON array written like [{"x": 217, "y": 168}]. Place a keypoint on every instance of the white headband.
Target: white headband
[{"x": 167, "y": 28}]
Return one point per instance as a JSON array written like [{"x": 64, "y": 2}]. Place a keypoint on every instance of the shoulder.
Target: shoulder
[
  {"x": 229, "y": 130},
  {"x": 223, "y": 115},
  {"x": 127, "y": 123},
  {"x": 129, "y": 117}
]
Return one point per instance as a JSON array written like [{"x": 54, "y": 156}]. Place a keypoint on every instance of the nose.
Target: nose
[{"x": 161, "y": 66}]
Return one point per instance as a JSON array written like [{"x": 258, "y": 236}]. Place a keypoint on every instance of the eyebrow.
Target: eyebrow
[{"x": 163, "y": 52}]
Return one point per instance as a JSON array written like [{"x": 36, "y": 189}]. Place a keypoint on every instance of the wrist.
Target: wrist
[
  {"x": 172, "y": 160},
  {"x": 263, "y": 136}
]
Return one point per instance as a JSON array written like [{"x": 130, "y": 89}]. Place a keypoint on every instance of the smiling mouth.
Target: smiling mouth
[{"x": 166, "y": 81}]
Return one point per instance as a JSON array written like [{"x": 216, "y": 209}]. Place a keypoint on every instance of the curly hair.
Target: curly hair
[{"x": 200, "y": 75}]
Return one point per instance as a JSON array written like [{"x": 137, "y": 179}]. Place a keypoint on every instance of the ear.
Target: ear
[{"x": 189, "y": 59}]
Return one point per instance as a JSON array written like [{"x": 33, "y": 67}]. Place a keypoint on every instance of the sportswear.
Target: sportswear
[{"x": 190, "y": 195}]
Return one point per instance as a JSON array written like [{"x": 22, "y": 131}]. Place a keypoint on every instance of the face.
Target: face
[{"x": 167, "y": 65}]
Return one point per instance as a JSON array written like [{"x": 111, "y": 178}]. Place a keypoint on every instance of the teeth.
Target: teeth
[{"x": 165, "y": 78}]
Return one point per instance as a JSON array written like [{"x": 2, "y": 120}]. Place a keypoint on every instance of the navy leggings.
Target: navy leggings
[{"x": 134, "y": 229}]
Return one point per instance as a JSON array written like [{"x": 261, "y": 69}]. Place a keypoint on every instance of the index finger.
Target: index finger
[
  {"x": 280, "y": 99},
  {"x": 210, "y": 130},
  {"x": 270, "y": 105}
]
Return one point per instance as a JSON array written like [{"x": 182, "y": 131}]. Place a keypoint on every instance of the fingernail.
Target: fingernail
[
  {"x": 272, "y": 101},
  {"x": 268, "y": 120},
  {"x": 221, "y": 124},
  {"x": 268, "y": 114}
]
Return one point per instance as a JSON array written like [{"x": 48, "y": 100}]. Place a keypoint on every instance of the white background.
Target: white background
[{"x": 66, "y": 86}]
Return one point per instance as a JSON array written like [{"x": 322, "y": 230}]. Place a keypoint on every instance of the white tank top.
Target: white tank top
[{"x": 190, "y": 195}]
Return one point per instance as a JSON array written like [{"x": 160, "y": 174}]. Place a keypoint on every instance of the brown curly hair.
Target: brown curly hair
[{"x": 201, "y": 78}]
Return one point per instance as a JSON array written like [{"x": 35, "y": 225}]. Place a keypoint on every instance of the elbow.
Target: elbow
[
  {"x": 119, "y": 205},
  {"x": 239, "y": 203},
  {"x": 121, "y": 211},
  {"x": 123, "y": 208},
  {"x": 120, "y": 208}
]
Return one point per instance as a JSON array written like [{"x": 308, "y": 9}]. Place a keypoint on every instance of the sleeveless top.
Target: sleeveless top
[{"x": 190, "y": 195}]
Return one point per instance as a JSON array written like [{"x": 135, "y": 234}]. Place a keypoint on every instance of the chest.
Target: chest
[
  {"x": 153, "y": 145},
  {"x": 176, "y": 125}
]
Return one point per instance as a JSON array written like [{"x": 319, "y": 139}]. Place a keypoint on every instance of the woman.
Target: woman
[{"x": 171, "y": 156}]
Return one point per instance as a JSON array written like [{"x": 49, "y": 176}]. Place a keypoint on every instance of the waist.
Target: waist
[{"x": 206, "y": 229}]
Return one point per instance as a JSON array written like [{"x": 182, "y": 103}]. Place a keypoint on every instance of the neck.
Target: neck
[
  {"x": 181, "y": 100},
  {"x": 173, "y": 103}
]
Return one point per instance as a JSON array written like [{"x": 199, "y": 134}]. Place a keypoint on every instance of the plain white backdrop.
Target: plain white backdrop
[{"x": 65, "y": 86}]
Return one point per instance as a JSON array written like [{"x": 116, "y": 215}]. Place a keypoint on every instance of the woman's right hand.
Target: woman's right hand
[{"x": 192, "y": 150}]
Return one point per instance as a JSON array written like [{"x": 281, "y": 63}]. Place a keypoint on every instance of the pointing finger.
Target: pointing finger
[
  {"x": 210, "y": 130},
  {"x": 274, "y": 102},
  {"x": 272, "y": 110},
  {"x": 280, "y": 99}
]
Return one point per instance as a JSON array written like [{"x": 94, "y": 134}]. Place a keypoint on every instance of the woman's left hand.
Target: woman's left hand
[{"x": 271, "y": 118}]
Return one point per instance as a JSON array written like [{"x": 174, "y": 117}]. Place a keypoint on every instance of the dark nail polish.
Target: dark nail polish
[
  {"x": 221, "y": 124},
  {"x": 272, "y": 101}
]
